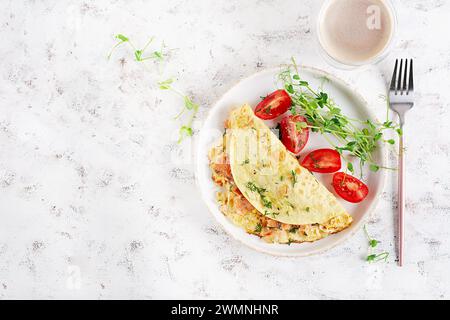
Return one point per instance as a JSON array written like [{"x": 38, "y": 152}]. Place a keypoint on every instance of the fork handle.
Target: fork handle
[{"x": 401, "y": 199}]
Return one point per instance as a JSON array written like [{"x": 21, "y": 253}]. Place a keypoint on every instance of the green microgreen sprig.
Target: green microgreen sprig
[
  {"x": 356, "y": 137},
  {"x": 139, "y": 54},
  {"x": 158, "y": 56},
  {"x": 189, "y": 106},
  {"x": 258, "y": 228},
  {"x": 374, "y": 257}
]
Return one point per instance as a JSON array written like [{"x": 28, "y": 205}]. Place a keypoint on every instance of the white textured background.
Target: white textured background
[{"x": 92, "y": 203}]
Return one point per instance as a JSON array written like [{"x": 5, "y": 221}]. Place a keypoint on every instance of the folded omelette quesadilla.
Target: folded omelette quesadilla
[{"x": 264, "y": 188}]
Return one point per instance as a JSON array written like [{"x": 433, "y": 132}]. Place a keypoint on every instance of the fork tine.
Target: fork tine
[
  {"x": 411, "y": 84},
  {"x": 394, "y": 77},
  {"x": 405, "y": 78},
  {"x": 399, "y": 80}
]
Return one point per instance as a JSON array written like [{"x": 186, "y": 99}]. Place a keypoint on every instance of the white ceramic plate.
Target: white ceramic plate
[{"x": 249, "y": 91}]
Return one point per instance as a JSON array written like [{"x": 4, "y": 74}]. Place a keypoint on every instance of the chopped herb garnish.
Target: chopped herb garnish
[
  {"x": 266, "y": 202},
  {"x": 307, "y": 209},
  {"x": 268, "y": 213},
  {"x": 258, "y": 228},
  {"x": 294, "y": 177},
  {"x": 254, "y": 188}
]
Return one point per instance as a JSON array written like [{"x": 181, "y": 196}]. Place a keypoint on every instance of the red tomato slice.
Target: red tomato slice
[
  {"x": 323, "y": 161},
  {"x": 274, "y": 105},
  {"x": 349, "y": 188},
  {"x": 294, "y": 140}
]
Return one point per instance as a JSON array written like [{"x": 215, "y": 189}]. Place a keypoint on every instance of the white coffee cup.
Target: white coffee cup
[{"x": 353, "y": 33}]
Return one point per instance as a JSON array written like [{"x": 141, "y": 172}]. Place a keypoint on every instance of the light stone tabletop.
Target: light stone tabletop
[{"x": 98, "y": 201}]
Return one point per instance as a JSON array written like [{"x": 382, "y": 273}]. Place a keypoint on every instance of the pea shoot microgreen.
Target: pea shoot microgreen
[
  {"x": 294, "y": 177},
  {"x": 158, "y": 56},
  {"x": 122, "y": 39},
  {"x": 347, "y": 135},
  {"x": 165, "y": 84},
  {"x": 301, "y": 125},
  {"x": 374, "y": 257}
]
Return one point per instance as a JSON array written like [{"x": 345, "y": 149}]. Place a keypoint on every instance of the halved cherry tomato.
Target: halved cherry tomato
[
  {"x": 293, "y": 139},
  {"x": 349, "y": 187},
  {"x": 323, "y": 161},
  {"x": 274, "y": 105}
]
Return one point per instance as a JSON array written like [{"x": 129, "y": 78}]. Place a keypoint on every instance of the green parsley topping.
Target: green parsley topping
[{"x": 254, "y": 188}]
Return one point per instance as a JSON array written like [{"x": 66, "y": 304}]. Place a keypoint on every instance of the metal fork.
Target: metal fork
[{"x": 401, "y": 99}]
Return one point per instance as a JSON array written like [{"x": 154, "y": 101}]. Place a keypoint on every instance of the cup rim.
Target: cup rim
[{"x": 375, "y": 59}]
